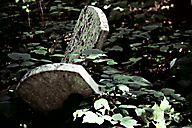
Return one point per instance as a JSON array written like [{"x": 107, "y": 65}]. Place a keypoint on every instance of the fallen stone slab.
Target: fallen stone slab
[{"x": 45, "y": 88}]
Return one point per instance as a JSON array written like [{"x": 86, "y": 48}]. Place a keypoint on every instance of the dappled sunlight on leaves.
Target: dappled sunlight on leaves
[{"x": 144, "y": 68}]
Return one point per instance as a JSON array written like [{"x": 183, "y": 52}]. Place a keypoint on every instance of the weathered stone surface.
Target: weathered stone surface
[
  {"x": 45, "y": 88},
  {"x": 90, "y": 32}
]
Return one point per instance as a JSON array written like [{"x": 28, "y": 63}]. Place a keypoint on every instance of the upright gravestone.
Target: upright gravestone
[
  {"x": 45, "y": 88},
  {"x": 90, "y": 32}
]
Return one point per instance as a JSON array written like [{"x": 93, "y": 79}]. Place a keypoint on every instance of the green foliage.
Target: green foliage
[
  {"x": 95, "y": 56},
  {"x": 163, "y": 115},
  {"x": 118, "y": 85},
  {"x": 144, "y": 68},
  {"x": 101, "y": 106},
  {"x": 159, "y": 114}
]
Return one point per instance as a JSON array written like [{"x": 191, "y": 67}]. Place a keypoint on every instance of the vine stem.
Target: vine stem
[
  {"x": 29, "y": 20},
  {"x": 42, "y": 14},
  {"x": 154, "y": 124}
]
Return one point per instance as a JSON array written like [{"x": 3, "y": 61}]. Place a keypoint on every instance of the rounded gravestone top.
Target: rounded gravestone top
[
  {"x": 90, "y": 32},
  {"x": 46, "y": 87}
]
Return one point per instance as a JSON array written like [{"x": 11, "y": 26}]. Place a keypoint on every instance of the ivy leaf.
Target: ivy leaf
[
  {"x": 127, "y": 106},
  {"x": 163, "y": 38},
  {"x": 141, "y": 81},
  {"x": 40, "y": 51},
  {"x": 101, "y": 103},
  {"x": 99, "y": 60},
  {"x": 78, "y": 60},
  {"x": 135, "y": 59},
  {"x": 117, "y": 48},
  {"x": 114, "y": 48},
  {"x": 119, "y": 8},
  {"x": 106, "y": 117},
  {"x": 158, "y": 94},
  {"x": 150, "y": 27},
  {"x": 110, "y": 72},
  {"x": 117, "y": 117},
  {"x": 164, "y": 48},
  {"x": 135, "y": 45},
  {"x": 168, "y": 91},
  {"x": 17, "y": 56},
  {"x": 113, "y": 38},
  {"x": 122, "y": 78},
  {"x": 39, "y": 32},
  {"x": 53, "y": 8},
  {"x": 72, "y": 9},
  {"x": 111, "y": 62},
  {"x": 123, "y": 87},
  {"x": 44, "y": 60},
  {"x": 139, "y": 111},
  {"x": 158, "y": 114},
  {"x": 161, "y": 124},
  {"x": 79, "y": 113},
  {"x": 34, "y": 59},
  {"x": 172, "y": 62},
  {"x": 57, "y": 55},
  {"x": 94, "y": 56},
  {"x": 188, "y": 31},
  {"x": 13, "y": 65},
  {"x": 33, "y": 44},
  {"x": 107, "y": 6},
  {"x": 91, "y": 117},
  {"x": 92, "y": 51},
  {"x": 128, "y": 122},
  {"x": 145, "y": 35},
  {"x": 165, "y": 105},
  {"x": 27, "y": 63},
  {"x": 177, "y": 117}
]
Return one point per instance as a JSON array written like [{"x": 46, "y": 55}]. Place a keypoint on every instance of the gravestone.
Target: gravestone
[
  {"x": 45, "y": 88},
  {"x": 90, "y": 32}
]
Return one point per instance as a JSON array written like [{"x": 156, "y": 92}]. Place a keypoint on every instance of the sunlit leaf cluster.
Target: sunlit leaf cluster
[{"x": 143, "y": 67}]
